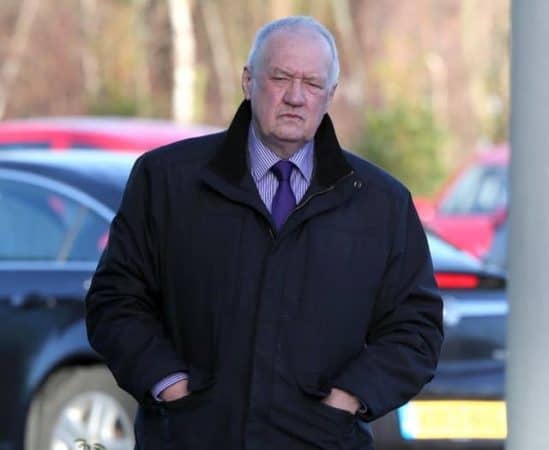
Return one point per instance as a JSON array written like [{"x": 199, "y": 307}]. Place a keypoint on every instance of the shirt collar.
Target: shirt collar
[{"x": 262, "y": 159}]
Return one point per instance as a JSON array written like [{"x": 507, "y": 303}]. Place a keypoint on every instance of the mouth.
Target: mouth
[{"x": 291, "y": 116}]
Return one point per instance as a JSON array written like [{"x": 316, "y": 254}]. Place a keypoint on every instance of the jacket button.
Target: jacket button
[{"x": 357, "y": 184}]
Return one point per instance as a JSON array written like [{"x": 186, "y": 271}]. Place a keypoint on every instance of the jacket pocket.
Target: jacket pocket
[
  {"x": 200, "y": 382},
  {"x": 180, "y": 423},
  {"x": 189, "y": 420},
  {"x": 334, "y": 428},
  {"x": 298, "y": 415},
  {"x": 316, "y": 389}
]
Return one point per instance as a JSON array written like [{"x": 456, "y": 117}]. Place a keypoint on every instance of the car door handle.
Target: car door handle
[{"x": 33, "y": 301}]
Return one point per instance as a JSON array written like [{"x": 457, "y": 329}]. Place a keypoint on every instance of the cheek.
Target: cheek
[
  {"x": 264, "y": 111},
  {"x": 268, "y": 103},
  {"x": 320, "y": 106}
]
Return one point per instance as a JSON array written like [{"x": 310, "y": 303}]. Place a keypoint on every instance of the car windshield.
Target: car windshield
[{"x": 481, "y": 190}]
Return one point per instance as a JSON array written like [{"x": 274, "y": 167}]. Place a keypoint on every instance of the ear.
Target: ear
[{"x": 247, "y": 82}]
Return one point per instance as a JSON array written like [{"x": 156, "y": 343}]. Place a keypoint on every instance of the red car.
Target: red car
[
  {"x": 113, "y": 133},
  {"x": 473, "y": 204}
]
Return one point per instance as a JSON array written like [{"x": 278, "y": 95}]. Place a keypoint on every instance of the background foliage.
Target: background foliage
[
  {"x": 445, "y": 61},
  {"x": 405, "y": 139}
]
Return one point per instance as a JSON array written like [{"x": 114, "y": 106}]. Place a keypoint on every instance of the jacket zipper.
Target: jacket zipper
[{"x": 316, "y": 194}]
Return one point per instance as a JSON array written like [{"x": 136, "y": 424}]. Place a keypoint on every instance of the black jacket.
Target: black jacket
[{"x": 194, "y": 278}]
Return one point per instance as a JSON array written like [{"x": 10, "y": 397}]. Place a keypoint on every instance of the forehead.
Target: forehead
[{"x": 297, "y": 51}]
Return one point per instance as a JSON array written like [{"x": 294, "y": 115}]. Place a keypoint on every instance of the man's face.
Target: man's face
[{"x": 289, "y": 89}]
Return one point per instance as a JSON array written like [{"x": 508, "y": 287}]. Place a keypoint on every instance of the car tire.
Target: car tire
[{"x": 80, "y": 403}]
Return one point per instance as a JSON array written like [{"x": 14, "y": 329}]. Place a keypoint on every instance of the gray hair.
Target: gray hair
[{"x": 294, "y": 23}]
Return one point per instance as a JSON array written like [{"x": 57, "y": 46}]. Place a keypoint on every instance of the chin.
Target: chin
[
  {"x": 291, "y": 138},
  {"x": 291, "y": 134}
]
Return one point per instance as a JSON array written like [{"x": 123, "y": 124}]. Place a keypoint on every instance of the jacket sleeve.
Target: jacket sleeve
[
  {"x": 405, "y": 334},
  {"x": 123, "y": 303}
]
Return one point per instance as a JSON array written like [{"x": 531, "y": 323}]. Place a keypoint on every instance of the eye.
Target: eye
[{"x": 315, "y": 85}]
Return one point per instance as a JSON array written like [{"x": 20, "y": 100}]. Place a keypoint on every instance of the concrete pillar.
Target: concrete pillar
[{"x": 528, "y": 325}]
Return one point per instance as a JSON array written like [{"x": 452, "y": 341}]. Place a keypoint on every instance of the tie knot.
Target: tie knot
[{"x": 282, "y": 170}]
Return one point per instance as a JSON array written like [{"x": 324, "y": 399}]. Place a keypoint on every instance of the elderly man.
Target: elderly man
[{"x": 262, "y": 288}]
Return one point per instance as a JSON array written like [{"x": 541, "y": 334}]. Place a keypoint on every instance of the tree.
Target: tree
[
  {"x": 9, "y": 70},
  {"x": 184, "y": 60},
  {"x": 222, "y": 60},
  {"x": 90, "y": 62},
  {"x": 143, "y": 85}
]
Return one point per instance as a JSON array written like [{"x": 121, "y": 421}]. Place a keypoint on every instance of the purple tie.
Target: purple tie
[{"x": 284, "y": 199}]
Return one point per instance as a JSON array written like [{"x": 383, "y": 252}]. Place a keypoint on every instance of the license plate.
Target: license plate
[{"x": 453, "y": 420}]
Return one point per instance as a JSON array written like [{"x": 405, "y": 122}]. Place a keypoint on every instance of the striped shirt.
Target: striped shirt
[
  {"x": 167, "y": 382},
  {"x": 261, "y": 160}
]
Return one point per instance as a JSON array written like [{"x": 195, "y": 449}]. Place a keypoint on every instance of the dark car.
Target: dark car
[
  {"x": 463, "y": 407},
  {"x": 56, "y": 209},
  {"x": 497, "y": 254},
  {"x": 55, "y": 213}
]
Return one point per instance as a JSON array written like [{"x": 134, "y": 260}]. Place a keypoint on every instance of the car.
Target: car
[
  {"x": 463, "y": 407},
  {"x": 496, "y": 256},
  {"x": 107, "y": 133},
  {"x": 473, "y": 203},
  {"x": 56, "y": 209}
]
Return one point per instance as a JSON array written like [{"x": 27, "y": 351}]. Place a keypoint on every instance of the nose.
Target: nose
[{"x": 294, "y": 94}]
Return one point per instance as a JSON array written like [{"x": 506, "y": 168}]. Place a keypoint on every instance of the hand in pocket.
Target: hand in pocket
[
  {"x": 175, "y": 391},
  {"x": 342, "y": 400}
]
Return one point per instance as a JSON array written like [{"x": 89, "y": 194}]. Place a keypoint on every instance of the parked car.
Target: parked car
[
  {"x": 118, "y": 133},
  {"x": 472, "y": 204},
  {"x": 463, "y": 407},
  {"x": 55, "y": 213},
  {"x": 56, "y": 209},
  {"x": 496, "y": 256}
]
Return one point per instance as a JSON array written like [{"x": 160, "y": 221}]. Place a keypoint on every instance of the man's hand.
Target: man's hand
[
  {"x": 175, "y": 391},
  {"x": 342, "y": 400}
]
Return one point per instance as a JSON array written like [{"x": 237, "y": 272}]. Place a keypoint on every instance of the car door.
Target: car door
[{"x": 51, "y": 236}]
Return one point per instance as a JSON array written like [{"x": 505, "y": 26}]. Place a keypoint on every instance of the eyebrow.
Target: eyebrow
[{"x": 314, "y": 78}]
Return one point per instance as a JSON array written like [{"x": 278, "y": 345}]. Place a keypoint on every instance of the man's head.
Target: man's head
[{"x": 290, "y": 79}]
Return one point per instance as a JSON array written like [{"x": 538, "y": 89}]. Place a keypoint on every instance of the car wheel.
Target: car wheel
[{"x": 81, "y": 403}]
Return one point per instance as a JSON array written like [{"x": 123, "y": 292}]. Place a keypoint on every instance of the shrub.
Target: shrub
[{"x": 405, "y": 140}]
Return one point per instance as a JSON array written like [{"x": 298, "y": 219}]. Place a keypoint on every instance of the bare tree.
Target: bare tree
[
  {"x": 487, "y": 62},
  {"x": 281, "y": 8},
  {"x": 16, "y": 50},
  {"x": 354, "y": 87},
  {"x": 438, "y": 73},
  {"x": 90, "y": 62},
  {"x": 143, "y": 84},
  {"x": 221, "y": 55},
  {"x": 184, "y": 48}
]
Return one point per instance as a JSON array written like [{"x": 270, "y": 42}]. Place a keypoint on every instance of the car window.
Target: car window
[
  {"x": 24, "y": 145},
  {"x": 38, "y": 224},
  {"x": 481, "y": 190}
]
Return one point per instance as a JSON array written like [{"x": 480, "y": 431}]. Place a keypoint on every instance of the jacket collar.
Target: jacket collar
[{"x": 230, "y": 161}]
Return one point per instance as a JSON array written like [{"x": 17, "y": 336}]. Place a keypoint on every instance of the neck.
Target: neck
[
  {"x": 282, "y": 149},
  {"x": 283, "y": 152}
]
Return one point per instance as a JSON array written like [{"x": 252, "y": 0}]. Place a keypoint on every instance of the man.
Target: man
[{"x": 262, "y": 288}]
